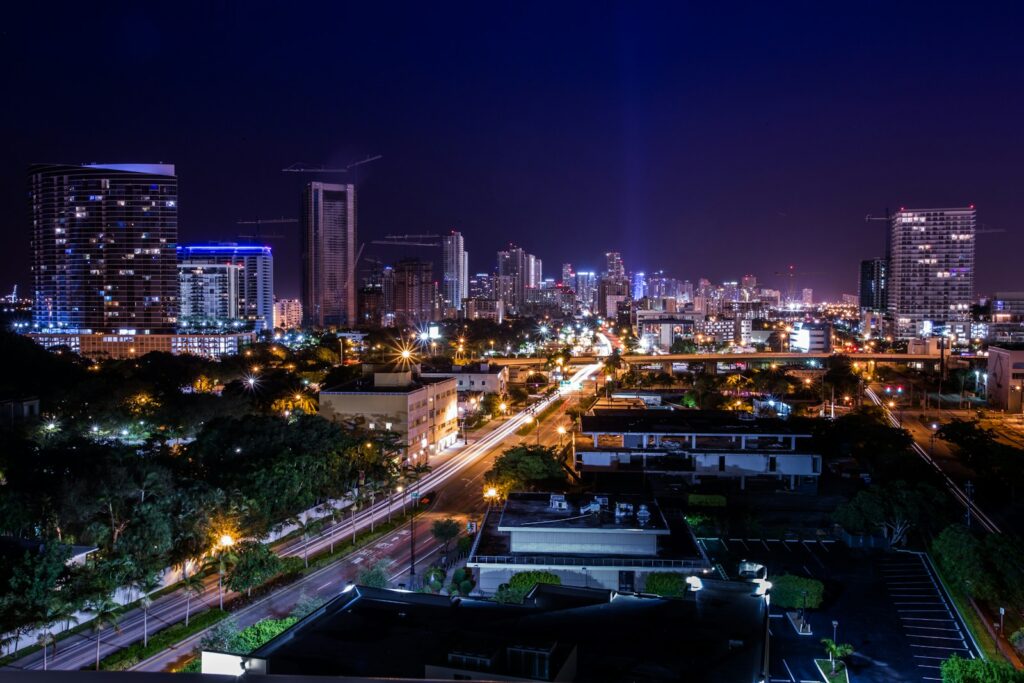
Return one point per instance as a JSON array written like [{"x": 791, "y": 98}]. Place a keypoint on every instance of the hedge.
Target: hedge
[
  {"x": 665, "y": 584},
  {"x": 706, "y": 500},
  {"x": 787, "y": 591},
  {"x": 122, "y": 660}
]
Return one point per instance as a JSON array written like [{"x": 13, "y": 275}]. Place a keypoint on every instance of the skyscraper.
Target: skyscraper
[
  {"x": 873, "y": 288},
  {"x": 455, "y": 285},
  {"x": 567, "y": 274},
  {"x": 103, "y": 241},
  {"x": 615, "y": 268},
  {"x": 329, "y": 254},
  {"x": 208, "y": 294},
  {"x": 639, "y": 289},
  {"x": 414, "y": 292},
  {"x": 931, "y": 269},
  {"x": 255, "y": 282},
  {"x": 522, "y": 270},
  {"x": 586, "y": 290}
]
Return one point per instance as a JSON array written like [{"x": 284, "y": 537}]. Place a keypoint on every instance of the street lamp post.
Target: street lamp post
[
  {"x": 561, "y": 433},
  {"x": 835, "y": 625}
]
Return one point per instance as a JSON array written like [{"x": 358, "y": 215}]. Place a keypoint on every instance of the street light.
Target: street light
[
  {"x": 835, "y": 625},
  {"x": 561, "y": 433},
  {"x": 490, "y": 495}
]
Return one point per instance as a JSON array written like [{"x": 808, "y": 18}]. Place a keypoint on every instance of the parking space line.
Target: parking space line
[
  {"x": 940, "y": 647},
  {"x": 935, "y": 637}
]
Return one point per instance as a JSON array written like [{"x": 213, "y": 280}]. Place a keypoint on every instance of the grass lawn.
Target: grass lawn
[{"x": 840, "y": 676}]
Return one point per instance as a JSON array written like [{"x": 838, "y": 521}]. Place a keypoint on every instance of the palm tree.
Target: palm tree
[
  {"x": 836, "y": 651},
  {"x": 104, "y": 613},
  {"x": 308, "y": 528},
  {"x": 220, "y": 562},
  {"x": 193, "y": 585},
  {"x": 44, "y": 640},
  {"x": 147, "y": 584}
]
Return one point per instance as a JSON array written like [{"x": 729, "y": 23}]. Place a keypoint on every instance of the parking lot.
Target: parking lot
[
  {"x": 931, "y": 626},
  {"x": 889, "y": 606}
]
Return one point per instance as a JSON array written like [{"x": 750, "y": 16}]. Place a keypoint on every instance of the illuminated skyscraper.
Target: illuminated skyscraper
[
  {"x": 255, "y": 281},
  {"x": 931, "y": 269},
  {"x": 103, "y": 241},
  {"x": 455, "y": 286},
  {"x": 329, "y": 254}
]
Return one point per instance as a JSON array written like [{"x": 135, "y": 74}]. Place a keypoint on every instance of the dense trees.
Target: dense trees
[
  {"x": 891, "y": 508},
  {"x": 525, "y": 467},
  {"x": 989, "y": 568}
]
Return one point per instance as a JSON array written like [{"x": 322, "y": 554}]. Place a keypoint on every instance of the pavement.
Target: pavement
[
  {"x": 889, "y": 606},
  {"x": 456, "y": 476}
]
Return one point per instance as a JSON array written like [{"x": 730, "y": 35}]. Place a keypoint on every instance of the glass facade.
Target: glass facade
[{"x": 103, "y": 241}]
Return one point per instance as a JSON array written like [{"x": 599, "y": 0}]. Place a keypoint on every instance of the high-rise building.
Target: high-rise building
[
  {"x": 103, "y": 241},
  {"x": 329, "y": 254},
  {"x": 414, "y": 292},
  {"x": 287, "y": 314},
  {"x": 639, "y": 289},
  {"x": 455, "y": 286},
  {"x": 614, "y": 268},
  {"x": 748, "y": 282},
  {"x": 807, "y": 296},
  {"x": 522, "y": 270},
  {"x": 481, "y": 286},
  {"x": 567, "y": 274},
  {"x": 931, "y": 269},
  {"x": 873, "y": 288},
  {"x": 586, "y": 290},
  {"x": 377, "y": 296},
  {"x": 255, "y": 281},
  {"x": 209, "y": 294}
]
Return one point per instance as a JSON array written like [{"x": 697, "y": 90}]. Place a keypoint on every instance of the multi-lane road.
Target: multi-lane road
[{"x": 457, "y": 479}]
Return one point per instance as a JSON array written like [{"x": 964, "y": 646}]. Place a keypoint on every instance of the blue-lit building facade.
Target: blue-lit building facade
[
  {"x": 103, "y": 241},
  {"x": 255, "y": 289}
]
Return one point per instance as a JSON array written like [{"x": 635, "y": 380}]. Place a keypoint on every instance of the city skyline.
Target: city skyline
[{"x": 680, "y": 134}]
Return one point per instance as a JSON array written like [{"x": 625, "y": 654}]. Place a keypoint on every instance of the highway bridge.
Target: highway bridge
[{"x": 768, "y": 357}]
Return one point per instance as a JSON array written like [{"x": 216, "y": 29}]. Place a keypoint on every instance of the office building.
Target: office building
[
  {"x": 748, "y": 282},
  {"x": 481, "y": 286},
  {"x": 414, "y": 292},
  {"x": 329, "y": 254},
  {"x": 482, "y": 378},
  {"x": 103, "y": 242},
  {"x": 125, "y": 344},
  {"x": 639, "y": 286},
  {"x": 810, "y": 337},
  {"x": 455, "y": 283},
  {"x": 208, "y": 294},
  {"x": 873, "y": 285},
  {"x": 586, "y": 290},
  {"x": 377, "y": 296},
  {"x": 516, "y": 271},
  {"x": 931, "y": 269},
  {"x": 594, "y": 541},
  {"x": 287, "y": 314},
  {"x": 421, "y": 411},
  {"x": 807, "y": 296},
  {"x": 484, "y": 309},
  {"x": 695, "y": 445},
  {"x": 255, "y": 278},
  {"x": 1007, "y": 306},
  {"x": 614, "y": 267},
  {"x": 567, "y": 275}
]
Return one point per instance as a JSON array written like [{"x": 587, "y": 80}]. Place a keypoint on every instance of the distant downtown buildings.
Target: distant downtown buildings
[{"x": 252, "y": 304}]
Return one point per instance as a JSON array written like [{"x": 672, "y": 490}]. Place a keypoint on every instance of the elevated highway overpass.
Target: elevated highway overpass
[{"x": 781, "y": 358}]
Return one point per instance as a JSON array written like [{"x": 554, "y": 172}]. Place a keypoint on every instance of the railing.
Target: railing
[{"x": 554, "y": 560}]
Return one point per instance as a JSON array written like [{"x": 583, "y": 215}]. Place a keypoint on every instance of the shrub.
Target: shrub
[
  {"x": 665, "y": 584},
  {"x": 122, "y": 660},
  {"x": 956, "y": 669},
  {"x": 707, "y": 500},
  {"x": 526, "y": 580},
  {"x": 788, "y": 591}
]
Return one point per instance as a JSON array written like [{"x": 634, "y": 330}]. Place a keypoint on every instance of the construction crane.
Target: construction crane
[
  {"x": 265, "y": 221},
  {"x": 301, "y": 167},
  {"x": 410, "y": 241}
]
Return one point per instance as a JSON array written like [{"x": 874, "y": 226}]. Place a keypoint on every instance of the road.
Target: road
[
  {"x": 922, "y": 445},
  {"x": 457, "y": 477}
]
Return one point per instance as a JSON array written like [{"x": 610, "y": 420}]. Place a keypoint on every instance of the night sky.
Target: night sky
[{"x": 705, "y": 142}]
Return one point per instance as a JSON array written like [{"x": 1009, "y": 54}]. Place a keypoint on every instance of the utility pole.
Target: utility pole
[{"x": 969, "y": 489}]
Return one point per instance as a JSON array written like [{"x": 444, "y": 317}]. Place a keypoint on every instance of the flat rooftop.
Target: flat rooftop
[
  {"x": 535, "y": 511},
  {"x": 688, "y": 422},
  {"x": 366, "y": 385},
  {"x": 715, "y": 634}
]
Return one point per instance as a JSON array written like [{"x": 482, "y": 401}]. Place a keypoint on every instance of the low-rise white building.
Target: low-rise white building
[
  {"x": 595, "y": 541},
  {"x": 1004, "y": 381},
  {"x": 485, "y": 378},
  {"x": 696, "y": 445}
]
